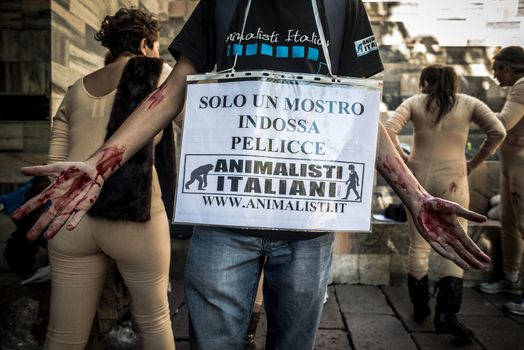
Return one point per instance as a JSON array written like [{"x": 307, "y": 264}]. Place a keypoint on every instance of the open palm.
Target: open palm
[{"x": 437, "y": 222}]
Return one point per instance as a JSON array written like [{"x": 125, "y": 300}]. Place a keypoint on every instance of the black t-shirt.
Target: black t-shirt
[{"x": 279, "y": 35}]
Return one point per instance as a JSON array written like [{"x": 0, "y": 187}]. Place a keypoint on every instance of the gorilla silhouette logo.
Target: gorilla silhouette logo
[{"x": 200, "y": 175}]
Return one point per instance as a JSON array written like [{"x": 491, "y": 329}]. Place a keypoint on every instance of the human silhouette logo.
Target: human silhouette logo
[
  {"x": 352, "y": 182},
  {"x": 200, "y": 175}
]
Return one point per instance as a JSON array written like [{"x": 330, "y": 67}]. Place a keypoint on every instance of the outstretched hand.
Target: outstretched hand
[
  {"x": 73, "y": 192},
  {"x": 437, "y": 222}
]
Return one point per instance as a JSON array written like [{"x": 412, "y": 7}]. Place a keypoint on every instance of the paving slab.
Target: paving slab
[
  {"x": 327, "y": 339},
  {"x": 495, "y": 333},
  {"x": 499, "y": 301},
  {"x": 332, "y": 339},
  {"x": 475, "y": 303},
  {"x": 378, "y": 332},
  {"x": 362, "y": 299},
  {"x": 398, "y": 298},
  {"x": 516, "y": 318},
  {"x": 432, "y": 341},
  {"x": 355, "y": 317},
  {"x": 331, "y": 317}
]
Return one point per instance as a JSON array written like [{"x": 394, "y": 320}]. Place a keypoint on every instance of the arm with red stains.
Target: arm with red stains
[
  {"x": 78, "y": 184},
  {"x": 486, "y": 120},
  {"x": 396, "y": 122},
  {"x": 435, "y": 218}
]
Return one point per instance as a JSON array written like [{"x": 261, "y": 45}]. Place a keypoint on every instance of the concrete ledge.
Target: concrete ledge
[
  {"x": 376, "y": 258},
  {"x": 380, "y": 257}
]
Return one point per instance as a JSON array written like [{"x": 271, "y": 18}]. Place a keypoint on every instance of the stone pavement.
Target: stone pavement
[
  {"x": 355, "y": 317},
  {"x": 373, "y": 318}
]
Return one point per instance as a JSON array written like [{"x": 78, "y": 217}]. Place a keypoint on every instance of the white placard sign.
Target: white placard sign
[{"x": 278, "y": 153}]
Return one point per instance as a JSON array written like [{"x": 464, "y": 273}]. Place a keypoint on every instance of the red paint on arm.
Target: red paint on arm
[
  {"x": 111, "y": 159},
  {"x": 158, "y": 96},
  {"x": 453, "y": 187},
  {"x": 399, "y": 176}
]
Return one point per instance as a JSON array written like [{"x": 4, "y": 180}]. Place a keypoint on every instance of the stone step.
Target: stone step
[{"x": 380, "y": 257}]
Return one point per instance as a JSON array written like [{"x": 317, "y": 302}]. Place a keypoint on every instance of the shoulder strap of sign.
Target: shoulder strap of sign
[
  {"x": 225, "y": 9},
  {"x": 333, "y": 10}
]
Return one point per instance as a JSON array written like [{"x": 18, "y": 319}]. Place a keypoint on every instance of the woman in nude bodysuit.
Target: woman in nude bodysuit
[
  {"x": 135, "y": 231},
  {"x": 508, "y": 68},
  {"x": 441, "y": 118}
]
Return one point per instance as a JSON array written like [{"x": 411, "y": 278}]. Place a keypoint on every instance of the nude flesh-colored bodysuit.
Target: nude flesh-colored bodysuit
[
  {"x": 79, "y": 258},
  {"x": 512, "y": 178},
  {"x": 438, "y": 161}
]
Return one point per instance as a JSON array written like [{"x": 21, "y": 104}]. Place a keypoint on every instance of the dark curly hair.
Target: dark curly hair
[{"x": 122, "y": 33}]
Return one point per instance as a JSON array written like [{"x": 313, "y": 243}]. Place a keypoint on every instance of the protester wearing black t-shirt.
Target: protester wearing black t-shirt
[
  {"x": 286, "y": 40},
  {"x": 223, "y": 266},
  {"x": 279, "y": 35}
]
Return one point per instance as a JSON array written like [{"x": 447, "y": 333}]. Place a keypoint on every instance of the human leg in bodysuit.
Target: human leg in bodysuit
[
  {"x": 79, "y": 263},
  {"x": 449, "y": 182},
  {"x": 78, "y": 274},
  {"x": 512, "y": 207}
]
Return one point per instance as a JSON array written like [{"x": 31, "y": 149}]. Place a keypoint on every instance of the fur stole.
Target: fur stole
[{"x": 126, "y": 195}]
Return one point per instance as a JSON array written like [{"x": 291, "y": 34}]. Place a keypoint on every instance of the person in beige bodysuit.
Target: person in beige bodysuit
[
  {"x": 79, "y": 259},
  {"x": 441, "y": 119},
  {"x": 508, "y": 68}
]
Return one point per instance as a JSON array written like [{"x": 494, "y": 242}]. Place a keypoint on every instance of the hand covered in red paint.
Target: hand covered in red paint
[
  {"x": 436, "y": 220},
  {"x": 75, "y": 188}
]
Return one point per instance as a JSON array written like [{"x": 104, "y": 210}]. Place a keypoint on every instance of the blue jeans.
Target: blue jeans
[{"x": 221, "y": 279}]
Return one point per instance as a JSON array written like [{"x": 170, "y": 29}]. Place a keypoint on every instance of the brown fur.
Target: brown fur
[{"x": 126, "y": 195}]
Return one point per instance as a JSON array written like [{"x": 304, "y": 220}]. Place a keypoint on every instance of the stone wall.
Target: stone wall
[
  {"x": 24, "y": 59},
  {"x": 45, "y": 45},
  {"x": 25, "y": 80},
  {"x": 74, "y": 51}
]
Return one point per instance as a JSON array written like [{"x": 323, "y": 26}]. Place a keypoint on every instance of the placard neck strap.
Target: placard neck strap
[
  {"x": 246, "y": 13},
  {"x": 322, "y": 36}
]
